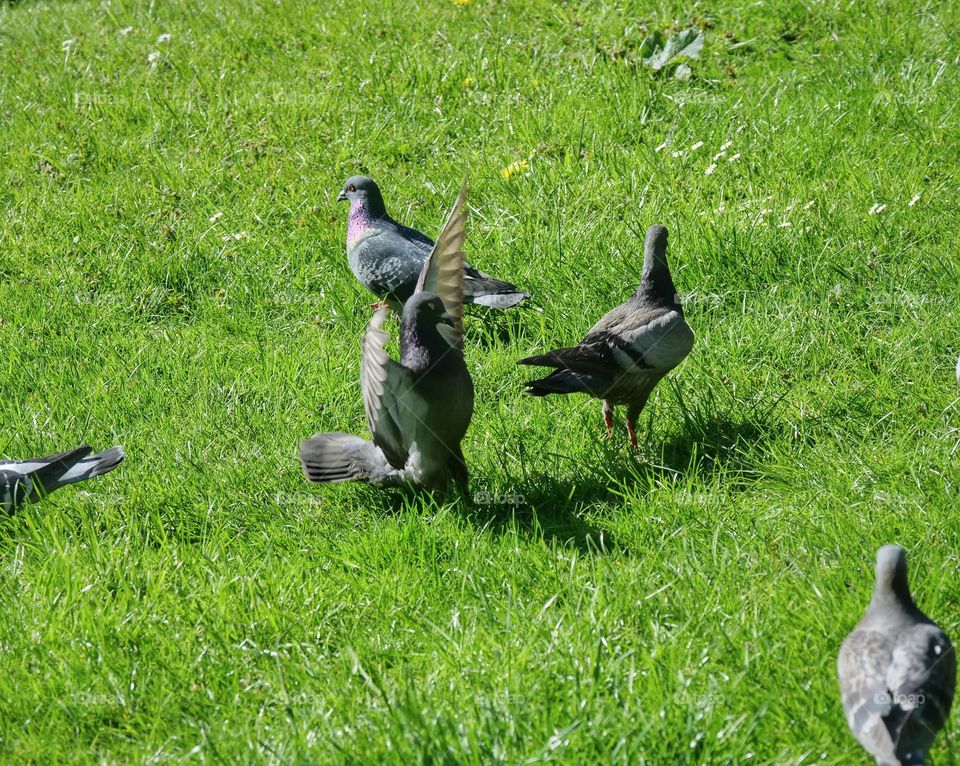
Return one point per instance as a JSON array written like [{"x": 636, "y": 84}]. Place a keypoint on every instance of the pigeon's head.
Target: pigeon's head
[
  {"x": 656, "y": 242},
  {"x": 892, "y": 570},
  {"x": 656, "y": 282},
  {"x": 427, "y": 309},
  {"x": 363, "y": 192}
]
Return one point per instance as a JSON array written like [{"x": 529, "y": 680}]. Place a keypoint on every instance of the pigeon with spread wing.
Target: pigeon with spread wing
[{"x": 418, "y": 409}]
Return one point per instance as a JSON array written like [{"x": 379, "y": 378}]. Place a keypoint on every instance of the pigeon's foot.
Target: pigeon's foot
[
  {"x": 608, "y": 420},
  {"x": 632, "y": 432},
  {"x": 379, "y": 305}
]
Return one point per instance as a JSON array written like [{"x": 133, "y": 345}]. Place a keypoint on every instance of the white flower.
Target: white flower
[
  {"x": 877, "y": 208},
  {"x": 216, "y": 216},
  {"x": 661, "y": 147},
  {"x": 914, "y": 201},
  {"x": 785, "y": 225},
  {"x": 68, "y": 44},
  {"x": 808, "y": 205},
  {"x": 720, "y": 208},
  {"x": 696, "y": 146},
  {"x": 238, "y": 236},
  {"x": 709, "y": 171},
  {"x": 164, "y": 38},
  {"x": 719, "y": 154},
  {"x": 734, "y": 158},
  {"x": 726, "y": 146},
  {"x": 153, "y": 57},
  {"x": 676, "y": 153},
  {"x": 125, "y": 31}
]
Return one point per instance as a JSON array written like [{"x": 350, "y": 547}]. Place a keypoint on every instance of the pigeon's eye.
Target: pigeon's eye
[{"x": 352, "y": 188}]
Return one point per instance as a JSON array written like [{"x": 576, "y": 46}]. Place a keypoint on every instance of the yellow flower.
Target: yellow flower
[
  {"x": 462, "y": 2},
  {"x": 468, "y": 82},
  {"x": 517, "y": 167}
]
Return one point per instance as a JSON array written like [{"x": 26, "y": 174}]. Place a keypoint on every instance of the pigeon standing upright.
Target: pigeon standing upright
[
  {"x": 387, "y": 258},
  {"x": 628, "y": 351},
  {"x": 897, "y": 671},
  {"x": 27, "y": 481},
  {"x": 418, "y": 410}
]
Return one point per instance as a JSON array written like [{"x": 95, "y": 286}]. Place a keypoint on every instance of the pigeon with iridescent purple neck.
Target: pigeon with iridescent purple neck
[{"x": 387, "y": 258}]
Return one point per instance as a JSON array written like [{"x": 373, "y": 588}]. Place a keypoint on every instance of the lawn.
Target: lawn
[{"x": 172, "y": 278}]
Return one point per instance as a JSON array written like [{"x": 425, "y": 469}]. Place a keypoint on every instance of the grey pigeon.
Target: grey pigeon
[
  {"x": 387, "y": 258},
  {"x": 628, "y": 351},
  {"x": 27, "y": 481},
  {"x": 418, "y": 409},
  {"x": 897, "y": 671}
]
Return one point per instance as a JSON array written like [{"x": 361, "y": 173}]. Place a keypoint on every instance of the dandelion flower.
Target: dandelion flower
[
  {"x": 914, "y": 201},
  {"x": 517, "y": 167},
  {"x": 468, "y": 82},
  {"x": 710, "y": 170},
  {"x": 462, "y": 2}
]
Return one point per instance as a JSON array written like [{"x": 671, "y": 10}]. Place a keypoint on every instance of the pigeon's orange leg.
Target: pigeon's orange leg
[
  {"x": 608, "y": 418},
  {"x": 632, "y": 431}
]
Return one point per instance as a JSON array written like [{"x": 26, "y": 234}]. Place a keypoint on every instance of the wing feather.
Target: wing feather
[{"x": 443, "y": 272}]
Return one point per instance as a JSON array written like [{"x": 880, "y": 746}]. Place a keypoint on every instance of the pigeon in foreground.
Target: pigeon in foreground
[
  {"x": 897, "y": 671},
  {"x": 27, "y": 481},
  {"x": 627, "y": 352},
  {"x": 418, "y": 409},
  {"x": 387, "y": 258}
]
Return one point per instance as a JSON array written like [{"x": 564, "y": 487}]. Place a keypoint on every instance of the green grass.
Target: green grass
[{"x": 172, "y": 278}]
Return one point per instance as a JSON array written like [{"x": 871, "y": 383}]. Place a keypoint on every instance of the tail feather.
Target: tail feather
[
  {"x": 560, "y": 382},
  {"x": 484, "y": 290},
  {"x": 92, "y": 465},
  {"x": 336, "y": 457}
]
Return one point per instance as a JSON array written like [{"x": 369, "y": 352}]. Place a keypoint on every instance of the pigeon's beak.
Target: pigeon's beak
[{"x": 341, "y": 196}]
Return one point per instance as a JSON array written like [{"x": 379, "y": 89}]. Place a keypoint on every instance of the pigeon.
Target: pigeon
[
  {"x": 897, "y": 671},
  {"x": 387, "y": 258},
  {"x": 27, "y": 481},
  {"x": 628, "y": 351},
  {"x": 418, "y": 410}
]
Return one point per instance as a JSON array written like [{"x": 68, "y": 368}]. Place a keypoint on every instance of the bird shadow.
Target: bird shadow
[{"x": 544, "y": 510}]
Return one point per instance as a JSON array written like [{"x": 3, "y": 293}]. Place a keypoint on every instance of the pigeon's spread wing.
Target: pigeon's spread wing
[
  {"x": 384, "y": 383},
  {"x": 443, "y": 272},
  {"x": 861, "y": 669}
]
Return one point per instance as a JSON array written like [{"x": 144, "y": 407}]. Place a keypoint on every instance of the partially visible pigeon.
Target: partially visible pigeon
[
  {"x": 387, "y": 258},
  {"x": 418, "y": 410},
  {"x": 627, "y": 352},
  {"x": 897, "y": 671},
  {"x": 27, "y": 481}
]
